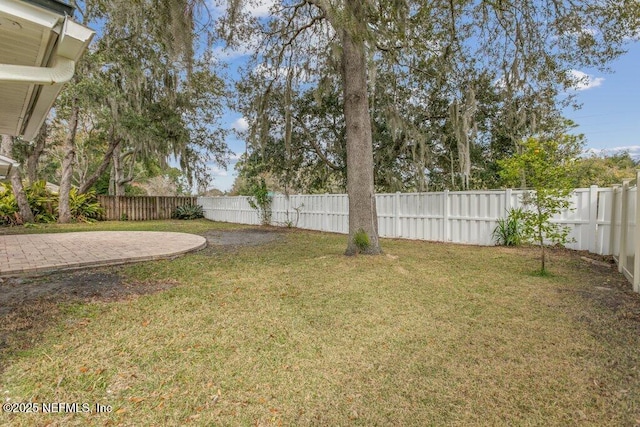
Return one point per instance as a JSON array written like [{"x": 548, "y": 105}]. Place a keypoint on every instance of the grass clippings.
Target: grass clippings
[{"x": 291, "y": 332}]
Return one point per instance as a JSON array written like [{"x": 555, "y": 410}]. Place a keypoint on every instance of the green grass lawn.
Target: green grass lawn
[{"x": 294, "y": 333}]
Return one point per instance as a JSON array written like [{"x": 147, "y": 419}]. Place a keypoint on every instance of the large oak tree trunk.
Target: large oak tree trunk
[
  {"x": 362, "y": 201},
  {"x": 64, "y": 210},
  {"x": 16, "y": 182}
]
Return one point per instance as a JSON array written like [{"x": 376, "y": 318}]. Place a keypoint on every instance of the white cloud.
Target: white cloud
[
  {"x": 261, "y": 9},
  {"x": 634, "y": 151},
  {"x": 249, "y": 45},
  {"x": 584, "y": 81},
  {"x": 256, "y": 8},
  {"x": 234, "y": 157},
  {"x": 224, "y": 53},
  {"x": 240, "y": 124},
  {"x": 217, "y": 171}
]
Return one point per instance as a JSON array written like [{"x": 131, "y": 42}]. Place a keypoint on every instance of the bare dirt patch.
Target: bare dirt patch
[
  {"x": 228, "y": 240},
  {"x": 29, "y": 305},
  {"x": 607, "y": 288}
]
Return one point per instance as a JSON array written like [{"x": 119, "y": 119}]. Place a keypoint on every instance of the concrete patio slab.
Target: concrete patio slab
[{"x": 26, "y": 254}]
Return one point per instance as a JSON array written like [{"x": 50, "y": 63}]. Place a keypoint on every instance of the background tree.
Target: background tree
[
  {"x": 436, "y": 57},
  {"x": 146, "y": 92},
  {"x": 603, "y": 170},
  {"x": 15, "y": 176}
]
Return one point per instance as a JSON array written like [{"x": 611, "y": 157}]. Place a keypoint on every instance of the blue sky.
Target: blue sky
[
  {"x": 610, "y": 113},
  {"x": 609, "y": 117}
]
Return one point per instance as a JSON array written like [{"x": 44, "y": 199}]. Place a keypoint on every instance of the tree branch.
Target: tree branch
[
  {"x": 106, "y": 161},
  {"x": 316, "y": 147}
]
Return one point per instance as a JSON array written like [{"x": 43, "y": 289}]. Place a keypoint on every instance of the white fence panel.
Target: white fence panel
[
  {"x": 602, "y": 220},
  {"x": 616, "y": 216},
  {"x": 577, "y": 218},
  {"x": 631, "y": 228},
  {"x": 458, "y": 217},
  {"x": 229, "y": 209},
  {"x": 473, "y": 216},
  {"x": 605, "y": 212}
]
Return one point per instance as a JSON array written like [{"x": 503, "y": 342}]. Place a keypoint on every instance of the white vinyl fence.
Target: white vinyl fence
[{"x": 467, "y": 217}]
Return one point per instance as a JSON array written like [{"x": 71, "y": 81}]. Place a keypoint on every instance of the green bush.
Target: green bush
[
  {"x": 509, "y": 231},
  {"x": 188, "y": 212},
  {"x": 260, "y": 200},
  {"x": 43, "y": 203},
  {"x": 84, "y": 206},
  {"x": 361, "y": 240},
  {"x": 8, "y": 206}
]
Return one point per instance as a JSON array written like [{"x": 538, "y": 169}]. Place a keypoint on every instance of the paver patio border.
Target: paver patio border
[{"x": 35, "y": 254}]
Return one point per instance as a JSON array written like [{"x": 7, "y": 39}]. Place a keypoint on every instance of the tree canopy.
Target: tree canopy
[
  {"x": 446, "y": 88},
  {"x": 145, "y": 96}
]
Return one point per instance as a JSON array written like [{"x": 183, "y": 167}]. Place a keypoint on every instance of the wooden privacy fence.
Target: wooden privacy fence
[
  {"x": 602, "y": 220},
  {"x": 142, "y": 208}
]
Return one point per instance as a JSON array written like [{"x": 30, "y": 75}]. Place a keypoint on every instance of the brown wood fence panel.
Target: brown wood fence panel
[{"x": 142, "y": 208}]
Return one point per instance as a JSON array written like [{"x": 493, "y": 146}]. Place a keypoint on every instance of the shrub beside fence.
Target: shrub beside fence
[
  {"x": 602, "y": 220},
  {"x": 142, "y": 208}
]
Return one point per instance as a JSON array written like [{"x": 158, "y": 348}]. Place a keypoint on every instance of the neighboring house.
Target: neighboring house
[{"x": 39, "y": 48}]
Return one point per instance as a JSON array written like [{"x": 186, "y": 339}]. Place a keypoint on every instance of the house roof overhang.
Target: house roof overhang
[
  {"x": 6, "y": 164},
  {"x": 39, "y": 47}
]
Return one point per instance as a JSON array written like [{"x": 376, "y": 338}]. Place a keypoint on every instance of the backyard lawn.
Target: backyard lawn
[{"x": 285, "y": 330}]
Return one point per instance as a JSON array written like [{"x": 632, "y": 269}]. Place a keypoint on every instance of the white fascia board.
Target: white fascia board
[
  {"x": 71, "y": 45},
  {"x": 4, "y": 160},
  {"x": 40, "y": 111},
  {"x": 29, "y": 12},
  {"x": 74, "y": 40}
]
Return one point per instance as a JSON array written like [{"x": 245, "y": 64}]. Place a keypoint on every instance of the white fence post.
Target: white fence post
[
  {"x": 624, "y": 226},
  {"x": 593, "y": 219},
  {"x": 325, "y": 215},
  {"x": 396, "y": 213},
  {"x": 636, "y": 243},
  {"x": 445, "y": 216},
  {"x": 507, "y": 200},
  {"x": 614, "y": 213}
]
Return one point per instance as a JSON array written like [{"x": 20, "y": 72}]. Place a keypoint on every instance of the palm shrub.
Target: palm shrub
[
  {"x": 188, "y": 212},
  {"x": 509, "y": 231},
  {"x": 84, "y": 207},
  {"x": 8, "y": 205},
  {"x": 43, "y": 203}
]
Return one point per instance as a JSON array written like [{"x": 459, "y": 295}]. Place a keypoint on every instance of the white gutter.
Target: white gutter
[
  {"x": 74, "y": 39},
  {"x": 61, "y": 72}
]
